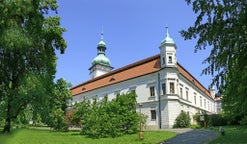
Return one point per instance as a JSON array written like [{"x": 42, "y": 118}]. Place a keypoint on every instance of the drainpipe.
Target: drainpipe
[{"x": 159, "y": 100}]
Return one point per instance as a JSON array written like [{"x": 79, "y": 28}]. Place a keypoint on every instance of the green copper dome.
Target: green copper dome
[
  {"x": 101, "y": 59},
  {"x": 101, "y": 43},
  {"x": 168, "y": 39}
]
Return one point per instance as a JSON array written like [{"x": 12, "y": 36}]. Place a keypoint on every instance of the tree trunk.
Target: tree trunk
[{"x": 7, "y": 126}]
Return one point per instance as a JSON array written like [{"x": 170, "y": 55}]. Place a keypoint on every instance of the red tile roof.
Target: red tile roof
[
  {"x": 189, "y": 77},
  {"x": 137, "y": 69}
]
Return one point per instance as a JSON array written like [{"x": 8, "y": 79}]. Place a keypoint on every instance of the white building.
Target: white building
[{"x": 163, "y": 86}]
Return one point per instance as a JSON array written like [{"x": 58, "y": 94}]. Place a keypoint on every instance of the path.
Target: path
[{"x": 190, "y": 136}]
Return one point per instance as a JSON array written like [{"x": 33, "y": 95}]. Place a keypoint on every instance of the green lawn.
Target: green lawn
[
  {"x": 35, "y": 136},
  {"x": 233, "y": 135}
]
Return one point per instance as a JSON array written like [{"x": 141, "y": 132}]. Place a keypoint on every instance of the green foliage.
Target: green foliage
[
  {"x": 182, "y": 121},
  {"x": 56, "y": 106},
  {"x": 81, "y": 110},
  {"x": 57, "y": 120},
  {"x": 108, "y": 118},
  {"x": 233, "y": 134},
  {"x": 143, "y": 120},
  {"x": 29, "y": 39},
  {"x": 221, "y": 26},
  {"x": 217, "y": 120},
  {"x": 211, "y": 120},
  {"x": 244, "y": 120},
  {"x": 195, "y": 126},
  {"x": 24, "y": 117},
  {"x": 196, "y": 117}
]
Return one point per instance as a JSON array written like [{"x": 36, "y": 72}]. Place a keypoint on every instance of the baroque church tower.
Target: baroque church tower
[{"x": 100, "y": 64}]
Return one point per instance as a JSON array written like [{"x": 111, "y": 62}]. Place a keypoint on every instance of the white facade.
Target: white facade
[{"x": 163, "y": 93}]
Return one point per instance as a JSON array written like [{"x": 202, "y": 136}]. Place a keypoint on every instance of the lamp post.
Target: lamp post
[{"x": 140, "y": 132}]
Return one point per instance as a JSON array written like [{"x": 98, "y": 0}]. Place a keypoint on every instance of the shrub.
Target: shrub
[
  {"x": 182, "y": 121},
  {"x": 244, "y": 120},
  {"x": 195, "y": 126},
  {"x": 196, "y": 117},
  {"x": 57, "y": 120},
  {"x": 217, "y": 120},
  {"x": 109, "y": 118}
]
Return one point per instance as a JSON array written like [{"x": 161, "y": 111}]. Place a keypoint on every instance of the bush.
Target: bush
[
  {"x": 211, "y": 120},
  {"x": 217, "y": 120},
  {"x": 196, "y": 117},
  {"x": 244, "y": 120},
  {"x": 109, "y": 118},
  {"x": 182, "y": 121},
  {"x": 195, "y": 126},
  {"x": 57, "y": 120}
]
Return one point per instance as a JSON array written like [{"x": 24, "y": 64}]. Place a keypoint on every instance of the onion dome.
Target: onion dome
[{"x": 101, "y": 58}]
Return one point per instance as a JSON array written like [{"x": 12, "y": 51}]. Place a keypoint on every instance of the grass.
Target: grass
[
  {"x": 37, "y": 136},
  {"x": 233, "y": 135}
]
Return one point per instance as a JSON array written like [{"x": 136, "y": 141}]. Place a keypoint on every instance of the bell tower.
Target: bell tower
[
  {"x": 100, "y": 64},
  {"x": 168, "y": 52}
]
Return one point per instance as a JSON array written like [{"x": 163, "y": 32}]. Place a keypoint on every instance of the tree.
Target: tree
[
  {"x": 29, "y": 38},
  {"x": 56, "y": 106},
  {"x": 221, "y": 25}
]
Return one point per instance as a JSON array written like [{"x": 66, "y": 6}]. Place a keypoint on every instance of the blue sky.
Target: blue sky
[{"x": 133, "y": 30}]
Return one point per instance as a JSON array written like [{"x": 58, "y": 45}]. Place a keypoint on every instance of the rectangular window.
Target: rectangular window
[
  {"x": 153, "y": 114},
  {"x": 181, "y": 92},
  {"x": 170, "y": 59},
  {"x": 172, "y": 89},
  {"x": 163, "y": 60},
  {"x": 187, "y": 95},
  {"x": 132, "y": 90},
  {"x": 204, "y": 103},
  {"x": 152, "y": 93},
  {"x": 195, "y": 99},
  {"x": 200, "y": 101},
  {"x": 208, "y": 106},
  {"x": 163, "y": 88}
]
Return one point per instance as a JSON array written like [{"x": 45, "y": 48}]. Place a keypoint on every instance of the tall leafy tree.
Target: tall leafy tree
[
  {"x": 56, "y": 106},
  {"x": 221, "y": 25},
  {"x": 29, "y": 38}
]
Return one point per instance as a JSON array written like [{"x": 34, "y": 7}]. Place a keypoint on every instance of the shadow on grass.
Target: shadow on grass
[{"x": 12, "y": 132}]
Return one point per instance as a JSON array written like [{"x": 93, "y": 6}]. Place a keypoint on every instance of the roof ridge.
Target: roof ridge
[{"x": 119, "y": 70}]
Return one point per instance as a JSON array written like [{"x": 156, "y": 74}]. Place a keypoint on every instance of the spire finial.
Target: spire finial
[
  {"x": 167, "y": 33},
  {"x": 167, "y": 39},
  {"x": 102, "y": 33},
  {"x": 101, "y": 42}
]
